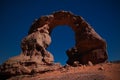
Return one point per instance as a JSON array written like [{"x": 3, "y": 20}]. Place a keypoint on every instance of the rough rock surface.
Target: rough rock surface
[
  {"x": 89, "y": 45},
  {"x": 35, "y": 58},
  {"x": 103, "y": 71}
]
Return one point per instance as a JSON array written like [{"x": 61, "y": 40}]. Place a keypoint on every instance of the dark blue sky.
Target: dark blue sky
[{"x": 16, "y": 17}]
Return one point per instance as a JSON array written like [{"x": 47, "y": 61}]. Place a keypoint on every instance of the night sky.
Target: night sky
[{"x": 16, "y": 17}]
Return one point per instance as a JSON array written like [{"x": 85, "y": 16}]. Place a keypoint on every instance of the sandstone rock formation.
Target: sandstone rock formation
[{"x": 35, "y": 58}]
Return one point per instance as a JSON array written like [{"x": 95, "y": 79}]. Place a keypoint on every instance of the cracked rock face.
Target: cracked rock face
[{"x": 89, "y": 45}]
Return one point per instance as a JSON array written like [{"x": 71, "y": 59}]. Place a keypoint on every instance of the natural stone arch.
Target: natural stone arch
[
  {"x": 34, "y": 57},
  {"x": 89, "y": 45}
]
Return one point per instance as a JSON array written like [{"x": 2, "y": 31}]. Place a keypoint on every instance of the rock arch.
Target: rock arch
[
  {"x": 34, "y": 58},
  {"x": 89, "y": 45}
]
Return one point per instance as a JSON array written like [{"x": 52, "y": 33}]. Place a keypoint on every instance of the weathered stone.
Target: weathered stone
[
  {"x": 76, "y": 63},
  {"x": 90, "y": 63},
  {"x": 89, "y": 45},
  {"x": 101, "y": 68}
]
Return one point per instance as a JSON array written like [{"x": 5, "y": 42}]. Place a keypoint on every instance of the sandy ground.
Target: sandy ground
[{"x": 104, "y": 71}]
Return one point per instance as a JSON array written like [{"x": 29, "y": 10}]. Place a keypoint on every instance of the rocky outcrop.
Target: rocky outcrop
[
  {"x": 35, "y": 58},
  {"x": 89, "y": 45}
]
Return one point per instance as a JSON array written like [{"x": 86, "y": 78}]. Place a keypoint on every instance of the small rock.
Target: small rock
[
  {"x": 90, "y": 63},
  {"x": 101, "y": 68},
  {"x": 84, "y": 66},
  {"x": 76, "y": 63}
]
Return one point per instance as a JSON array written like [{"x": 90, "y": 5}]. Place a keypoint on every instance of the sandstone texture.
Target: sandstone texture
[
  {"x": 34, "y": 58},
  {"x": 89, "y": 45},
  {"x": 102, "y": 71}
]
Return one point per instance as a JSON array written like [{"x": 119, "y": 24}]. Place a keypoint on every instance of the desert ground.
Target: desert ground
[{"x": 102, "y": 71}]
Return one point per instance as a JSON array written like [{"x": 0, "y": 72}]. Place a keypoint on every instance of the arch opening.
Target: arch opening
[{"x": 63, "y": 38}]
